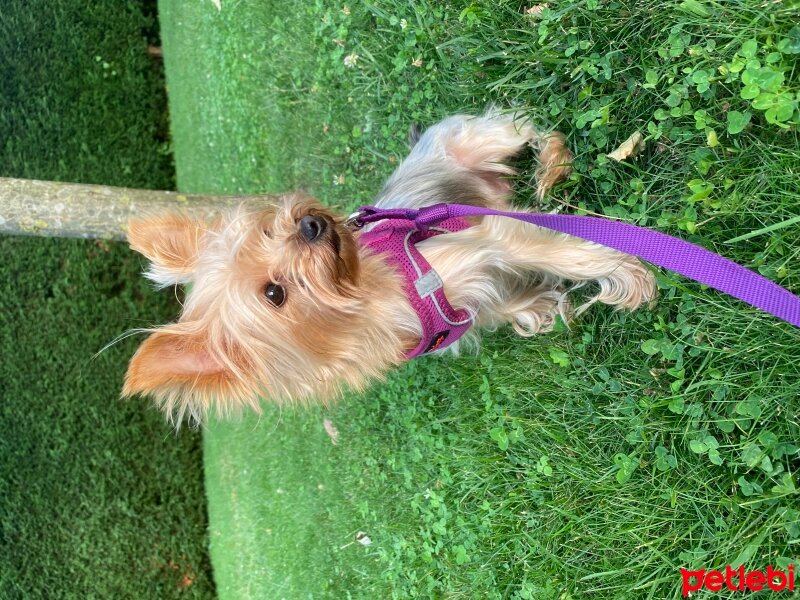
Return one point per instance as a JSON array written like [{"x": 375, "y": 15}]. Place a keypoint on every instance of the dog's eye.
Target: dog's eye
[{"x": 275, "y": 294}]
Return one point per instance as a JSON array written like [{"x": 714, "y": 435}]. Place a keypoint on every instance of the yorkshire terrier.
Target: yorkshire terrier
[{"x": 288, "y": 303}]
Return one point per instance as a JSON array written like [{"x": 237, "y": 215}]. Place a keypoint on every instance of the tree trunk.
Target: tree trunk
[{"x": 47, "y": 208}]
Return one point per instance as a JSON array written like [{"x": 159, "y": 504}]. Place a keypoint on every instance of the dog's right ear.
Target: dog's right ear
[
  {"x": 171, "y": 242},
  {"x": 176, "y": 367}
]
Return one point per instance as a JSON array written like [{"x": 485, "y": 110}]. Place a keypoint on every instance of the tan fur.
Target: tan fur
[
  {"x": 554, "y": 162},
  {"x": 345, "y": 320},
  {"x": 170, "y": 241}
]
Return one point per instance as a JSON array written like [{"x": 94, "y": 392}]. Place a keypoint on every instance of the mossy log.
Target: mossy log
[{"x": 47, "y": 208}]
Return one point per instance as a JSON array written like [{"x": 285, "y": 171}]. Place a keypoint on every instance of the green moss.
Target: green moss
[{"x": 97, "y": 498}]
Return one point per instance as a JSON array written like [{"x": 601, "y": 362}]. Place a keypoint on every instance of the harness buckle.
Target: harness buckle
[{"x": 354, "y": 221}]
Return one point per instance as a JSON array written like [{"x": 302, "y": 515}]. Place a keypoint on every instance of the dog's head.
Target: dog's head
[{"x": 275, "y": 290}]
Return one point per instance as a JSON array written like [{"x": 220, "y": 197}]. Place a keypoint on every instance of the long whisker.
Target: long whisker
[{"x": 121, "y": 337}]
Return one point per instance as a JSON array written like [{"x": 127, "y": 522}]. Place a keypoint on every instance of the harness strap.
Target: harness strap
[
  {"x": 658, "y": 248},
  {"x": 441, "y": 323}
]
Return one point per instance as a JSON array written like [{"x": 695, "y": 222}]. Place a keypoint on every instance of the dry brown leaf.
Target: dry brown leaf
[
  {"x": 186, "y": 581},
  {"x": 535, "y": 10},
  {"x": 629, "y": 148}
]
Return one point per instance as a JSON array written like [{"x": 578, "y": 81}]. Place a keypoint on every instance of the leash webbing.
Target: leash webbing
[{"x": 655, "y": 247}]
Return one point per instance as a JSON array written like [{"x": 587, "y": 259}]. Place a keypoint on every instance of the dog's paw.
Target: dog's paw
[
  {"x": 536, "y": 311},
  {"x": 628, "y": 286}
]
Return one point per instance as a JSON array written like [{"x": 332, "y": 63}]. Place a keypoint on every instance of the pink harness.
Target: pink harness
[{"x": 441, "y": 323}]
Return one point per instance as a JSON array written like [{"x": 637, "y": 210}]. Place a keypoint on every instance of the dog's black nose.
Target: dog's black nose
[{"x": 312, "y": 226}]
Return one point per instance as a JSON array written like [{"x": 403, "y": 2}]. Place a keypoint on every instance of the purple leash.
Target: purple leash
[{"x": 655, "y": 247}]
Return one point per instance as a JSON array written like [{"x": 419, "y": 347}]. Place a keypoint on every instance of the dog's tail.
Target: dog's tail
[
  {"x": 555, "y": 158},
  {"x": 555, "y": 161}
]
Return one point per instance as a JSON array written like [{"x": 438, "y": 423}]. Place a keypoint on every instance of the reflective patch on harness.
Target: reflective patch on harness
[{"x": 428, "y": 283}]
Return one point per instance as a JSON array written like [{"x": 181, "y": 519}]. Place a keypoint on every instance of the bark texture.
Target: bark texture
[{"x": 48, "y": 208}]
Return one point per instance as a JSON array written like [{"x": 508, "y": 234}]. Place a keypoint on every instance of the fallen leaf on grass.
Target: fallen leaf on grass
[
  {"x": 535, "y": 10},
  {"x": 331, "y": 430},
  {"x": 363, "y": 539},
  {"x": 629, "y": 148},
  {"x": 186, "y": 581}
]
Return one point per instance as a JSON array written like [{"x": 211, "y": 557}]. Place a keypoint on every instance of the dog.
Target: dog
[{"x": 287, "y": 303}]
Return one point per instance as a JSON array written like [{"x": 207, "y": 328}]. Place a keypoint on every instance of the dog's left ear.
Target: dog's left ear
[{"x": 171, "y": 242}]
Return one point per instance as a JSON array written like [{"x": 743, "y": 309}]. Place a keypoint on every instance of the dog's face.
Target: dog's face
[{"x": 273, "y": 288}]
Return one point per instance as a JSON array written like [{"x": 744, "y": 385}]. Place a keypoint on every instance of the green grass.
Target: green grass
[
  {"x": 283, "y": 524},
  {"x": 593, "y": 462},
  {"x": 97, "y": 498}
]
